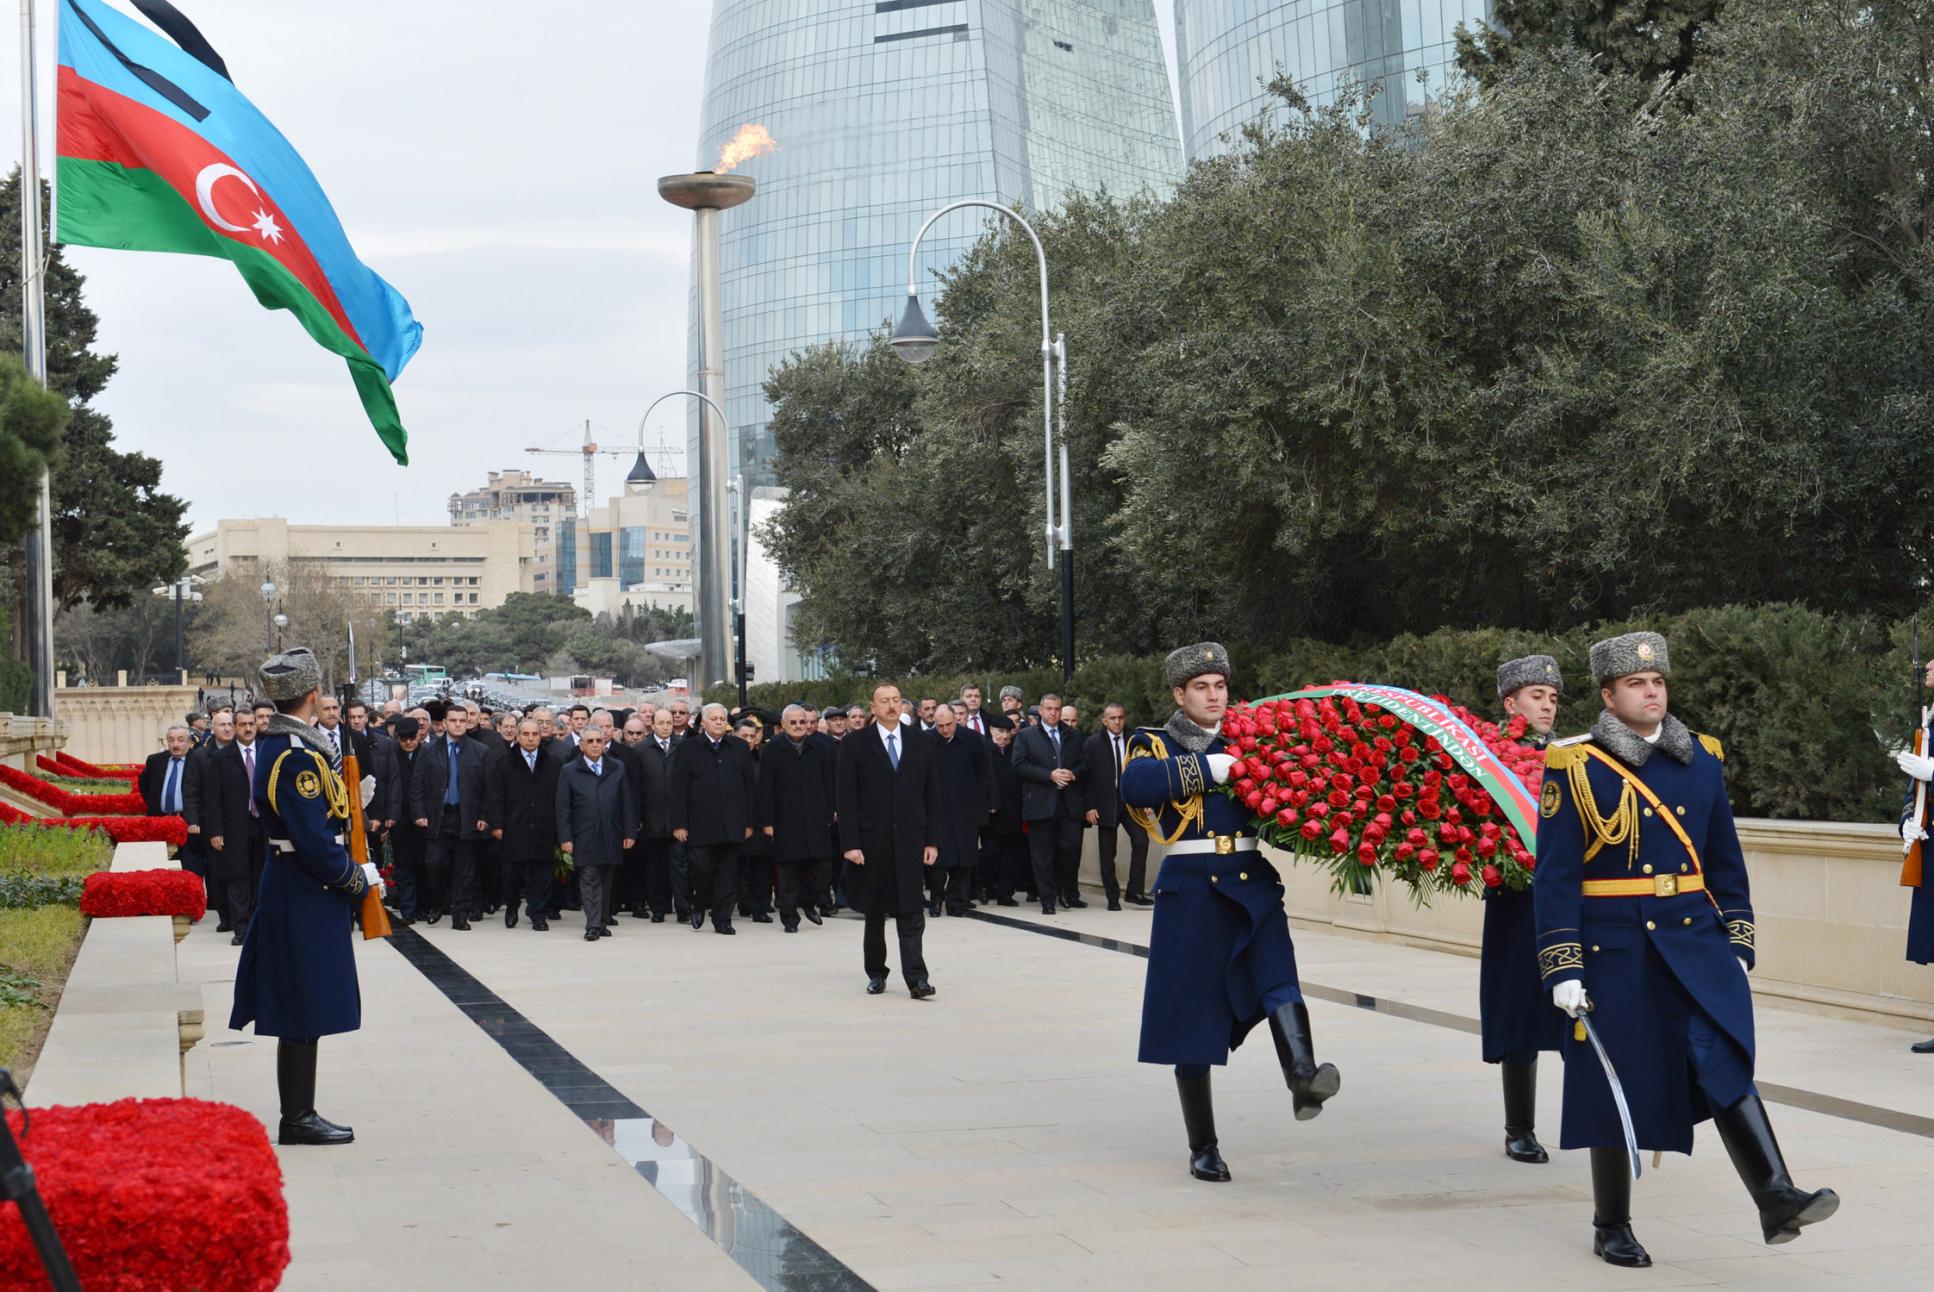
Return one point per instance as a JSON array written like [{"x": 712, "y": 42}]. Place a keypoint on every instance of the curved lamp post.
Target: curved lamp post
[
  {"x": 915, "y": 340},
  {"x": 712, "y": 601}
]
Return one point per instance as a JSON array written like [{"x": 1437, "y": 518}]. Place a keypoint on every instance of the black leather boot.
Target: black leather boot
[
  {"x": 1198, "y": 1116},
  {"x": 1612, "y": 1240},
  {"x": 1783, "y": 1206},
  {"x": 295, "y": 1080},
  {"x": 1310, "y": 1082},
  {"x": 1521, "y": 1113}
]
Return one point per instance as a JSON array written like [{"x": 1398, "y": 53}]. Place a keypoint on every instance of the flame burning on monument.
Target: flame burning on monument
[{"x": 750, "y": 141}]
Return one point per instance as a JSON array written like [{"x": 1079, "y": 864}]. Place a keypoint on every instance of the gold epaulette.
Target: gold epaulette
[
  {"x": 1713, "y": 746},
  {"x": 1563, "y": 755}
]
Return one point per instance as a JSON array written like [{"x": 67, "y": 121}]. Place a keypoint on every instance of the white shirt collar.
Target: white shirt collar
[
  {"x": 1653, "y": 739},
  {"x": 887, "y": 733}
]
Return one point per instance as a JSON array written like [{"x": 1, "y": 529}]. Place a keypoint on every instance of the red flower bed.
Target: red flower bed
[
  {"x": 144, "y": 892},
  {"x": 67, "y": 801},
  {"x": 152, "y": 1194},
  {"x": 62, "y": 765},
  {"x": 1354, "y": 788},
  {"x": 171, "y": 830}
]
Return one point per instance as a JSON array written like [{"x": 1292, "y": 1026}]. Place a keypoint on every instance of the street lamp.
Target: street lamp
[
  {"x": 712, "y": 602},
  {"x": 915, "y": 340},
  {"x": 183, "y": 590},
  {"x": 268, "y": 605},
  {"x": 281, "y": 622}
]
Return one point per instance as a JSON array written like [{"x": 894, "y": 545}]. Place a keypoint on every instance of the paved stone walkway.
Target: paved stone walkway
[{"x": 1002, "y": 1134}]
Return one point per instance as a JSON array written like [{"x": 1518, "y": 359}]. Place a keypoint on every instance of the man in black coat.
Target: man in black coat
[
  {"x": 1101, "y": 792},
  {"x": 714, "y": 794},
  {"x": 194, "y": 807},
  {"x": 966, "y": 801},
  {"x": 520, "y": 802},
  {"x": 798, "y": 781},
  {"x": 232, "y": 825},
  {"x": 630, "y": 872},
  {"x": 164, "y": 777},
  {"x": 448, "y": 806},
  {"x": 889, "y": 829},
  {"x": 595, "y": 808},
  {"x": 1003, "y": 860},
  {"x": 406, "y": 842},
  {"x": 655, "y": 756},
  {"x": 1049, "y": 762}
]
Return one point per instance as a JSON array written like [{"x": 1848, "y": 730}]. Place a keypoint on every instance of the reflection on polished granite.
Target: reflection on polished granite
[{"x": 758, "y": 1239}]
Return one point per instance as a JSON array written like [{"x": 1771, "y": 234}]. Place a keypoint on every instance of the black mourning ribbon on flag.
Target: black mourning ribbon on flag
[
  {"x": 175, "y": 25},
  {"x": 154, "y": 80}
]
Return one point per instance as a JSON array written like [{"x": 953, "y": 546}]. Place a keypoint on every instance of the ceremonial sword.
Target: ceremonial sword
[{"x": 1618, "y": 1091}]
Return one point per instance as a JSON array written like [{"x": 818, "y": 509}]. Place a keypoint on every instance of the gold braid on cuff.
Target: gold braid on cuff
[
  {"x": 1191, "y": 770},
  {"x": 1742, "y": 932},
  {"x": 1560, "y": 957}
]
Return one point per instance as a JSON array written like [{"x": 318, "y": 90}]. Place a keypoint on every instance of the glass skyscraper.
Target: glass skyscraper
[
  {"x": 883, "y": 112},
  {"x": 1227, "y": 49}
]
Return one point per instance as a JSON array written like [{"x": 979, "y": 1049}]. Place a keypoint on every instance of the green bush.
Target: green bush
[{"x": 1806, "y": 704}]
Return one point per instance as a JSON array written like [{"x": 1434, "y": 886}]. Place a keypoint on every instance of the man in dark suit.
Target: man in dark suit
[
  {"x": 797, "y": 784},
  {"x": 232, "y": 825},
  {"x": 1101, "y": 792},
  {"x": 448, "y": 799},
  {"x": 889, "y": 829},
  {"x": 164, "y": 777},
  {"x": 594, "y": 809},
  {"x": 1049, "y": 762},
  {"x": 194, "y": 805},
  {"x": 655, "y": 756},
  {"x": 628, "y": 874},
  {"x": 1003, "y": 861},
  {"x": 966, "y": 801},
  {"x": 406, "y": 842},
  {"x": 714, "y": 794},
  {"x": 520, "y": 798}
]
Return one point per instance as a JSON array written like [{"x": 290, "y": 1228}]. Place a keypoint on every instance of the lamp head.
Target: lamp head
[{"x": 914, "y": 338}]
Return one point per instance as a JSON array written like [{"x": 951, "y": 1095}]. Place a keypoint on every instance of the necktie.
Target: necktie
[
  {"x": 1054, "y": 734},
  {"x": 171, "y": 789},
  {"x": 530, "y": 760},
  {"x": 597, "y": 768},
  {"x": 893, "y": 749},
  {"x": 1119, "y": 763},
  {"x": 451, "y": 798},
  {"x": 248, "y": 766}
]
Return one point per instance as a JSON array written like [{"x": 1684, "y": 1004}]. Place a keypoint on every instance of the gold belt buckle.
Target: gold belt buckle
[
  {"x": 1665, "y": 885},
  {"x": 1225, "y": 844}
]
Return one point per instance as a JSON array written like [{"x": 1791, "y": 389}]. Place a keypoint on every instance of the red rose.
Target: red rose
[
  {"x": 1405, "y": 852},
  {"x": 1493, "y": 877},
  {"x": 1286, "y": 817},
  {"x": 1366, "y": 855},
  {"x": 1267, "y": 807},
  {"x": 1418, "y": 837},
  {"x": 1340, "y": 841},
  {"x": 1460, "y": 874},
  {"x": 1408, "y": 817},
  {"x": 1319, "y": 810},
  {"x": 1427, "y": 858},
  {"x": 1386, "y": 803},
  {"x": 1312, "y": 828},
  {"x": 1487, "y": 847}
]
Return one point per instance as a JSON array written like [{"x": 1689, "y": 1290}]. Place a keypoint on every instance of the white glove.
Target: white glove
[
  {"x": 1742, "y": 966},
  {"x": 369, "y": 790},
  {"x": 1569, "y": 996},
  {"x": 1910, "y": 832},
  {"x": 374, "y": 876},
  {"x": 1219, "y": 765},
  {"x": 1919, "y": 766}
]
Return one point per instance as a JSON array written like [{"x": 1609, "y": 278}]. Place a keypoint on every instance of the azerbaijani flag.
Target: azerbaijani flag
[{"x": 156, "y": 150}]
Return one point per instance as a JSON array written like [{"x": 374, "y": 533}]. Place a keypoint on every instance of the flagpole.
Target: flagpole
[{"x": 33, "y": 336}]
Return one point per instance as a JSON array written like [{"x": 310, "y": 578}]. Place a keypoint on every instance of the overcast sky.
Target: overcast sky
[{"x": 499, "y": 171}]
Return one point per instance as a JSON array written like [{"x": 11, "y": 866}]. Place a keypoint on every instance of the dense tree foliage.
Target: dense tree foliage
[{"x": 1584, "y": 345}]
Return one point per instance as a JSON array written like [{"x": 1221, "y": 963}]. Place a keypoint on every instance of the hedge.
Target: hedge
[{"x": 1808, "y": 705}]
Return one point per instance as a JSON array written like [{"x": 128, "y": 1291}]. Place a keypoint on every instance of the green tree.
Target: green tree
[
  {"x": 116, "y": 533},
  {"x": 1649, "y": 39}
]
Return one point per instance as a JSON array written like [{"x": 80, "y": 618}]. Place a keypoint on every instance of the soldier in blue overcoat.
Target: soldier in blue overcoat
[
  {"x": 1913, "y": 829},
  {"x": 1220, "y": 959},
  {"x": 297, "y": 977},
  {"x": 1517, "y": 1019},
  {"x": 1645, "y": 923}
]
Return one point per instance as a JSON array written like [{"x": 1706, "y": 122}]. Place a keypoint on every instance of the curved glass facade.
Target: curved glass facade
[
  {"x": 883, "y": 112},
  {"x": 1227, "y": 49}
]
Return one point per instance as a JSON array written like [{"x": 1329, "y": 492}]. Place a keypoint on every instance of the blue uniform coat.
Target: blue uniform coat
[
  {"x": 297, "y": 974},
  {"x": 1514, "y": 1007},
  {"x": 1219, "y": 953},
  {"x": 1671, "y": 1003},
  {"x": 1920, "y": 907}
]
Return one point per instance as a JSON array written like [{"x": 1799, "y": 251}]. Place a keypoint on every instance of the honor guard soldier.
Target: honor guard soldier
[
  {"x": 1913, "y": 833},
  {"x": 297, "y": 977},
  {"x": 1517, "y": 1023},
  {"x": 1220, "y": 959},
  {"x": 1645, "y": 928}
]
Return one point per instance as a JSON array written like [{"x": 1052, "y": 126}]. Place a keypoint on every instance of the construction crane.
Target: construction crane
[{"x": 590, "y": 452}]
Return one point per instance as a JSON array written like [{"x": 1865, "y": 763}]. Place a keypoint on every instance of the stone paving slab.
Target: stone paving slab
[{"x": 1003, "y": 1134}]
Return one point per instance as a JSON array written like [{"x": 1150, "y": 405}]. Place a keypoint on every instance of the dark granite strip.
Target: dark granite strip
[{"x": 759, "y": 1240}]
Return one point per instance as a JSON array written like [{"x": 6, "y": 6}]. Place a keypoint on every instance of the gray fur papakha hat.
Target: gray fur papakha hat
[
  {"x": 1532, "y": 670},
  {"x": 1190, "y": 662},
  {"x": 1012, "y": 692},
  {"x": 291, "y": 674},
  {"x": 1633, "y": 653}
]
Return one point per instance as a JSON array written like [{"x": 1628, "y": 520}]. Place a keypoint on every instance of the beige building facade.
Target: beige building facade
[
  {"x": 636, "y": 550},
  {"x": 416, "y": 571},
  {"x": 545, "y": 505}
]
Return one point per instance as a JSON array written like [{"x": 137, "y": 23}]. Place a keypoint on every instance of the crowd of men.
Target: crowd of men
[{"x": 684, "y": 811}]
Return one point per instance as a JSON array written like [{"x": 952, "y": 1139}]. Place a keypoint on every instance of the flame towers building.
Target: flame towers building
[
  {"x": 886, "y": 110},
  {"x": 1226, "y": 50}
]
